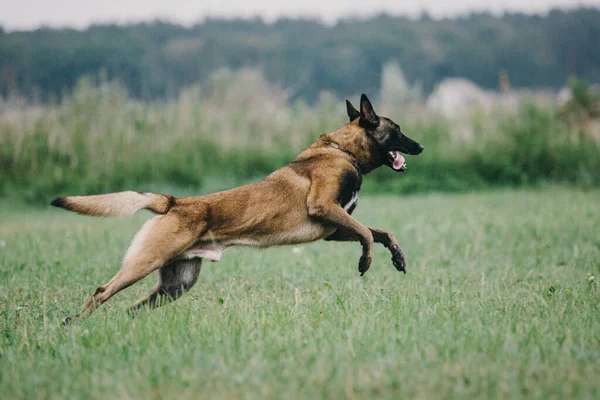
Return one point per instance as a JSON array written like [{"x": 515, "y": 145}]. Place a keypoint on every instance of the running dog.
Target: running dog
[{"x": 309, "y": 199}]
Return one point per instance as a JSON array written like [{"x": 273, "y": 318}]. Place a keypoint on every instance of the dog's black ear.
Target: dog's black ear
[
  {"x": 368, "y": 117},
  {"x": 353, "y": 113}
]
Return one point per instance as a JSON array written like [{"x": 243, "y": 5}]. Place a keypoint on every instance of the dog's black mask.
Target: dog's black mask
[{"x": 386, "y": 133}]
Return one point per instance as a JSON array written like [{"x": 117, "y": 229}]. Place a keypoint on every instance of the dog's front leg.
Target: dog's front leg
[
  {"x": 390, "y": 242},
  {"x": 321, "y": 206},
  {"x": 379, "y": 236}
]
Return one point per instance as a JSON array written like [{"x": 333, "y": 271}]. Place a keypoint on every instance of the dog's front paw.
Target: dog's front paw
[
  {"x": 364, "y": 264},
  {"x": 398, "y": 259}
]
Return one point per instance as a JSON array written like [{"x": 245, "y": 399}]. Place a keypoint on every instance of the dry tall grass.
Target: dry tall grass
[{"x": 238, "y": 127}]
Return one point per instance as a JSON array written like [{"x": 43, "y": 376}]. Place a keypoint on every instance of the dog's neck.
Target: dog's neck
[{"x": 352, "y": 138}]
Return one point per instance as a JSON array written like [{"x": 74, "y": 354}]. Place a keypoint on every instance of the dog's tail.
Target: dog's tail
[{"x": 121, "y": 204}]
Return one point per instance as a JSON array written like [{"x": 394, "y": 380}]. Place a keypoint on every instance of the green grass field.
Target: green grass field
[{"x": 497, "y": 303}]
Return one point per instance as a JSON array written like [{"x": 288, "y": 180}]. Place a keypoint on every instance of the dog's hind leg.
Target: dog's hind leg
[
  {"x": 173, "y": 281},
  {"x": 159, "y": 241}
]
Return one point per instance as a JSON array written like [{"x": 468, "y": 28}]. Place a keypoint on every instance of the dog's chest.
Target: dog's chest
[
  {"x": 351, "y": 204},
  {"x": 350, "y": 183}
]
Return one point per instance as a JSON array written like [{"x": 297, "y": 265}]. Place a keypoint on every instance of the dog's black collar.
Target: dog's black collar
[{"x": 335, "y": 145}]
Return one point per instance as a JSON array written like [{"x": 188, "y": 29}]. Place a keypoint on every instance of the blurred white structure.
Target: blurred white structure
[
  {"x": 457, "y": 97},
  {"x": 454, "y": 96},
  {"x": 564, "y": 95}
]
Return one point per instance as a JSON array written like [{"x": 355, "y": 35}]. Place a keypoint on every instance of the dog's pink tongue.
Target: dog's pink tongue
[{"x": 398, "y": 160}]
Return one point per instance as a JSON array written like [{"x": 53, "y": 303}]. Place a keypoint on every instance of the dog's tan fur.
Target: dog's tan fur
[{"x": 298, "y": 203}]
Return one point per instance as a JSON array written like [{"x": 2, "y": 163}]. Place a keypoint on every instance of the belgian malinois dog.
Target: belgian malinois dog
[{"x": 309, "y": 199}]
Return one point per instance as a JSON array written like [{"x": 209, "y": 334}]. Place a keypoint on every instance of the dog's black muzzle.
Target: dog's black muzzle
[{"x": 409, "y": 146}]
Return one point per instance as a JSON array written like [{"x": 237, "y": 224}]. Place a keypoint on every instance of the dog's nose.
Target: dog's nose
[{"x": 421, "y": 148}]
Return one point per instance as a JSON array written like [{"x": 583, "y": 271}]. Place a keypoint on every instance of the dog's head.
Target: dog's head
[{"x": 387, "y": 135}]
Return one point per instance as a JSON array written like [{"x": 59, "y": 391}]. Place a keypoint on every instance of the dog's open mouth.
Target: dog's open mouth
[{"x": 398, "y": 161}]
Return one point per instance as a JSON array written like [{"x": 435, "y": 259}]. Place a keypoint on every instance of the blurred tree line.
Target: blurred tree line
[{"x": 155, "y": 60}]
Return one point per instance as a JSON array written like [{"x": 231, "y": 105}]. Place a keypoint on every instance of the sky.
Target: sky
[{"x": 29, "y": 14}]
